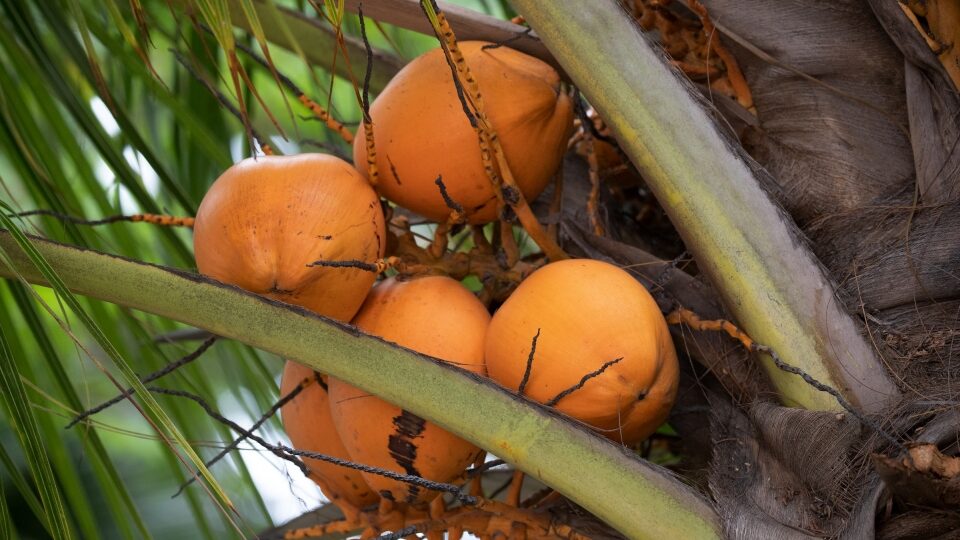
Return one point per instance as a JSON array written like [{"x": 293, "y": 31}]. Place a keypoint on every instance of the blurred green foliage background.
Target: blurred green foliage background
[{"x": 89, "y": 127}]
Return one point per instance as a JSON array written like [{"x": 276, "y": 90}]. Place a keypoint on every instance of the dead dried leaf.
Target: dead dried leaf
[{"x": 927, "y": 477}]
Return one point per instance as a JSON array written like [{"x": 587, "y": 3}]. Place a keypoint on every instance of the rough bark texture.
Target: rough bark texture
[
  {"x": 868, "y": 166},
  {"x": 832, "y": 148}
]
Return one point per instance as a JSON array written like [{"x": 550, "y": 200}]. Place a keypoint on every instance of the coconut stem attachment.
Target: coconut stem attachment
[
  {"x": 457, "y": 214},
  {"x": 318, "y": 111},
  {"x": 372, "y": 171},
  {"x": 495, "y": 162}
]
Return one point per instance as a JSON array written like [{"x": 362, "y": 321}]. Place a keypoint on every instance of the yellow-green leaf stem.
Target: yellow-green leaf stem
[{"x": 639, "y": 499}]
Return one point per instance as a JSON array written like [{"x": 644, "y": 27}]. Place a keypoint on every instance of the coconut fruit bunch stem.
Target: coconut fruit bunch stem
[
  {"x": 423, "y": 159},
  {"x": 499, "y": 172}
]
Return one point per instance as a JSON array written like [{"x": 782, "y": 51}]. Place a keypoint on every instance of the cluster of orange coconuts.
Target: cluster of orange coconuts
[{"x": 264, "y": 220}]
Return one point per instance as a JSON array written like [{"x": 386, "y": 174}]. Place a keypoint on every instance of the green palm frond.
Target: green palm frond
[{"x": 28, "y": 432}]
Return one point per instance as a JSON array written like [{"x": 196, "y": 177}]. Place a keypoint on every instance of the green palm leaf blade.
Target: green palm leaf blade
[
  {"x": 28, "y": 432},
  {"x": 166, "y": 428}
]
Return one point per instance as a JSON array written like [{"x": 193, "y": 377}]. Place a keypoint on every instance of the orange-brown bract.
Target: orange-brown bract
[
  {"x": 436, "y": 316},
  {"x": 265, "y": 219},
  {"x": 309, "y": 424},
  {"x": 588, "y": 313},
  {"x": 421, "y": 131}
]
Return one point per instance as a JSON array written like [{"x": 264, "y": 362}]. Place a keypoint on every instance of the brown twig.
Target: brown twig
[
  {"x": 154, "y": 219},
  {"x": 292, "y": 455},
  {"x": 589, "y": 134},
  {"x": 526, "y": 32},
  {"x": 456, "y": 209},
  {"x": 275, "y": 450},
  {"x": 734, "y": 75},
  {"x": 692, "y": 320},
  {"x": 484, "y": 467},
  {"x": 593, "y": 202},
  {"x": 373, "y": 174},
  {"x": 376, "y": 267},
  {"x": 556, "y": 207},
  {"x": 438, "y": 246},
  {"x": 405, "y": 478},
  {"x": 516, "y": 486}
]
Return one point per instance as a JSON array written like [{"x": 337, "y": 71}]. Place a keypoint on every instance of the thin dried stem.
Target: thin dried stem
[
  {"x": 166, "y": 370},
  {"x": 301, "y": 386},
  {"x": 593, "y": 202},
  {"x": 440, "y": 239},
  {"x": 377, "y": 267},
  {"x": 739, "y": 83},
  {"x": 265, "y": 147},
  {"x": 691, "y": 319},
  {"x": 529, "y": 368},
  {"x": 508, "y": 245},
  {"x": 319, "y": 112},
  {"x": 556, "y": 208},
  {"x": 212, "y": 413},
  {"x": 154, "y": 219},
  {"x": 405, "y": 478},
  {"x": 516, "y": 486},
  {"x": 373, "y": 174},
  {"x": 457, "y": 214}
]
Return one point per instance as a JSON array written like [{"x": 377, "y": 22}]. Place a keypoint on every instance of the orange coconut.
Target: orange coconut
[
  {"x": 588, "y": 313},
  {"x": 265, "y": 219},
  {"x": 436, "y": 316},
  {"x": 309, "y": 424},
  {"x": 421, "y": 131}
]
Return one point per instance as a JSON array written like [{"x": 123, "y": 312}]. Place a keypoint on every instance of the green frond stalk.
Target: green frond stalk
[{"x": 639, "y": 499}]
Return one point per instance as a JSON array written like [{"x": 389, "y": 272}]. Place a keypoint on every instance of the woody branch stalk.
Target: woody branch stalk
[{"x": 748, "y": 247}]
